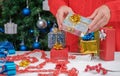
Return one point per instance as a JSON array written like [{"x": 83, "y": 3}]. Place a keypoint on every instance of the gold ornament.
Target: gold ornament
[{"x": 24, "y": 63}]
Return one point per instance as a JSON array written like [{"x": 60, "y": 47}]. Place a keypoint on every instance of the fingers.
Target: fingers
[
  {"x": 59, "y": 18},
  {"x": 100, "y": 17},
  {"x": 96, "y": 20},
  {"x": 98, "y": 25},
  {"x": 61, "y": 14}
]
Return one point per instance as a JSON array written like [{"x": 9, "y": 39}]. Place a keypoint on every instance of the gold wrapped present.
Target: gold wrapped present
[
  {"x": 75, "y": 24},
  {"x": 89, "y": 47}
]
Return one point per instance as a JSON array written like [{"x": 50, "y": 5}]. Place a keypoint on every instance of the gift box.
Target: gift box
[
  {"x": 76, "y": 24},
  {"x": 107, "y": 44},
  {"x": 89, "y": 43},
  {"x": 10, "y": 28},
  {"x": 56, "y": 36},
  {"x": 61, "y": 54},
  {"x": 88, "y": 47}
]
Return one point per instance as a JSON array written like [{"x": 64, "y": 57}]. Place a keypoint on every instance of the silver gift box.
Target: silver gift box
[
  {"x": 81, "y": 26},
  {"x": 58, "y": 37}
]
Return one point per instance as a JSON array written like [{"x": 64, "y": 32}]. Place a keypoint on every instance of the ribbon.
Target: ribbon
[
  {"x": 9, "y": 68},
  {"x": 8, "y": 46},
  {"x": 58, "y": 46},
  {"x": 24, "y": 63},
  {"x": 102, "y": 35},
  {"x": 76, "y": 18},
  {"x": 89, "y": 36}
]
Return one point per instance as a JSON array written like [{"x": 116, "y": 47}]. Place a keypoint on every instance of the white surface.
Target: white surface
[{"x": 80, "y": 63}]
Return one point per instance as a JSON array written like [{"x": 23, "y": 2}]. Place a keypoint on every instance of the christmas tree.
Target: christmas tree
[{"x": 26, "y": 20}]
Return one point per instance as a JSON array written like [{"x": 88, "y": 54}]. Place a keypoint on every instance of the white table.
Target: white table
[{"x": 80, "y": 63}]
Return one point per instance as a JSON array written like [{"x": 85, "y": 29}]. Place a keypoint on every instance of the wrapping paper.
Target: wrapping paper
[
  {"x": 76, "y": 24},
  {"x": 58, "y": 37},
  {"x": 88, "y": 47},
  {"x": 107, "y": 45}
]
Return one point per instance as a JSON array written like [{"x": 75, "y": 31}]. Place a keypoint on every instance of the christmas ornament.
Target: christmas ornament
[
  {"x": 41, "y": 23},
  {"x": 26, "y": 11},
  {"x": 10, "y": 28},
  {"x": 22, "y": 46},
  {"x": 36, "y": 44},
  {"x": 31, "y": 31},
  {"x": 48, "y": 22}
]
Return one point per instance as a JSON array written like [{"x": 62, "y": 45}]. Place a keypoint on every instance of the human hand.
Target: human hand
[
  {"x": 100, "y": 17},
  {"x": 61, "y": 14}
]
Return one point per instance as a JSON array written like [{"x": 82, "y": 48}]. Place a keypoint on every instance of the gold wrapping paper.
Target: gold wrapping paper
[
  {"x": 88, "y": 47},
  {"x": 97, "y": 38}
]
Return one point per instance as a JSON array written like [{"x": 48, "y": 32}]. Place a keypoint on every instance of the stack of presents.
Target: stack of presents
[{"x": 101, "y": 42}]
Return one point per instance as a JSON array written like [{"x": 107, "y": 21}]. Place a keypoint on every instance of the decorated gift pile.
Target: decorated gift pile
[
  {"x": 76, "y": 24},
  {"x": 56, "y": 41}
]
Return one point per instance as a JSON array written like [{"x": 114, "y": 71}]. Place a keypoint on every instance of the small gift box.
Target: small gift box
[
  {"x": 88, "y": 47},
  {"x": 59, "y": 54},
  {"x": 76, "y": 24},
  {"x": 107, "y": 43},
  {"x": 56, "y": 36},
  {"x": 10, "y": 28}
]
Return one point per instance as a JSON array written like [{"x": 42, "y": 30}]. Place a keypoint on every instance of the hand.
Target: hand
[
  {"x": 100, "y": 17},
  {"x": 61, "y": 14}
]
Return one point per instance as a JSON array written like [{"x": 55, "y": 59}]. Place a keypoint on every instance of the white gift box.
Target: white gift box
[{"x": 10, "y": 28}]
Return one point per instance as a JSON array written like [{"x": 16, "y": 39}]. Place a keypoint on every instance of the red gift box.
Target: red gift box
[
  {"x": 107, "y": 45},
  {"x": 59, "y": 54}
]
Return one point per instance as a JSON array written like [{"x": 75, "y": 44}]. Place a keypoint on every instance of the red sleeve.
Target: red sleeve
[
  {"x": 56, "y": 4},
  {"x": 114, "y": 7}
]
